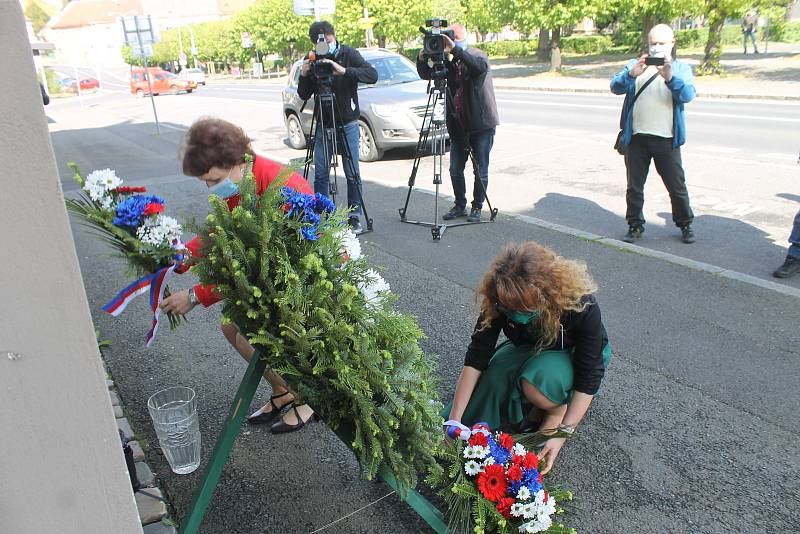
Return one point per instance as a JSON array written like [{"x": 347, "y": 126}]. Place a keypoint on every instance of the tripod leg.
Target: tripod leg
[
  {"x": 422, "y": 143},
  {"x": 351, "y": 169}
]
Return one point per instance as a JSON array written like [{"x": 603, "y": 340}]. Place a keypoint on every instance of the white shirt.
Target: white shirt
[{"x": 652, "y": 111}]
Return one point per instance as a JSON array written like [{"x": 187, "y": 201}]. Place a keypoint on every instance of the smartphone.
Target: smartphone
[{"x": 650, "y": 60}]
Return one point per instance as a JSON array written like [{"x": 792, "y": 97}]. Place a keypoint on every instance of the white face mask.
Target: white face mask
[{"x": 661, "y": 50}]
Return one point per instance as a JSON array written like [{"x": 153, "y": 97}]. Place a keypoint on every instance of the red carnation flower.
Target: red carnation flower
[
  {"x": 518, "y": 460},
  {"x": 153, "y": 208},
  {"x": 492, "y": 482},
  {"x": 514, "y": 473},
  {"x": 479, "y": 439},
  {"x": 505, "y": 440},
  {"x": 504, "y": 506},
  {"x": 531, "y": 461}
]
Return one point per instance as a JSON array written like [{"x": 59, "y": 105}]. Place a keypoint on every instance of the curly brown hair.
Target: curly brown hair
[
  {"x": 212, "y": 142},
  {"x": 527, "y": 277}
]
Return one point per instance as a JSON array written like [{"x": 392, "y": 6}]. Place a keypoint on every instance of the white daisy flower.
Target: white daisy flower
[
  {"x": 524, "y": 493},
  {"x": 516, "y": 511},
  {"x": 534, "y": 526},
  {"x": 530, "y": 510},
  {"x": 472, "y": 468},
  {"x": 488, "y": 461},
  {"x": 481, "y": 452},
  {"x": 518, "y": 449},
  {"x": 538, "y": 497}
]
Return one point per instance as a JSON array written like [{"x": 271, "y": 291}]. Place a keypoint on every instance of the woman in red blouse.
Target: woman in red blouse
[{"x": 214, "y": 152}]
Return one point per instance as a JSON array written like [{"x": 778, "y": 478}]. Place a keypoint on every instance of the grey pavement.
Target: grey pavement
[{"x": 693, "y": 430}]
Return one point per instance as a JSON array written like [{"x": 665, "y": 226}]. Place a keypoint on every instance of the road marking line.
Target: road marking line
[{"x": 526, "y": 154}]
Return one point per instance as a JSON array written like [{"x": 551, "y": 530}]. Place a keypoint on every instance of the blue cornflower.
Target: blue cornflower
[
  {"x": 531, "y": 479},
  {"x": 312, "y": 218},
  {"x": 323, "y": 204},
  {"x": 310, "y": 233},
  {"x": 514, "y": 487},
  {"x": 500, "y": 454},
  {"x": 131, "y": 210}
]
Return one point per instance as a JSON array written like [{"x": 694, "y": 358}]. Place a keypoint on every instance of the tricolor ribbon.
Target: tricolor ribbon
[
  {"x": 155, "y": 283},
  {"x": 457, "y": 430}
]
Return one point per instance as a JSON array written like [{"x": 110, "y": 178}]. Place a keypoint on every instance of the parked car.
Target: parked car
[
  {"x": 161, "y": 80},
  {"x": 195, "y": 75},
  {"x": 71, "y": 86},
  {"x": 392, "y": 109}
]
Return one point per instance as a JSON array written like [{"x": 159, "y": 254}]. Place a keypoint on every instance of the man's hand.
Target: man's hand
[
  {"x": 338, "y": 70},
  {"x": 549, "y": 453},
  {"x": 666, "y": 69},
  {"x": 448, "y": 43},
  {"x": 306, "y": 68},
  {"x": 178, "y": 303},
  {"x": 639, "y": 67}
]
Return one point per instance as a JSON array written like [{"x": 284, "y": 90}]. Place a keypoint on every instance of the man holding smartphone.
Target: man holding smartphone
[{"x": 656, "y": 87}]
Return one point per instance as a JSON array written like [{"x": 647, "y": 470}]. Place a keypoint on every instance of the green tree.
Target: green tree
[
  {"x": 38, "y": 16},
  {"x": 275, "y": 28},
  {"x": 486, "y": 16}
]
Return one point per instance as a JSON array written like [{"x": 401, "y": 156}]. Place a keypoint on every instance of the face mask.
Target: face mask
[
  {"x": 518, "y": 317},
  {"x": 461, "y": 44},
  {"x": 333, "y": 47},
  {"x": 226, "y": 188},
  {"x": 661, "y": 50}
]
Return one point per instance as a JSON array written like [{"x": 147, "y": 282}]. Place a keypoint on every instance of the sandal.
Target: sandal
[{"x": 259, "y": 417}]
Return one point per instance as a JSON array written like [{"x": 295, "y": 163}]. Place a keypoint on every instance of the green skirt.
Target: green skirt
[{"x": 498, "y": 399}]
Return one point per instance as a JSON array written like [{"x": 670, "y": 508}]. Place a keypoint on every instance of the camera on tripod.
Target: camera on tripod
[
  {"x": 433, "y": 42},
  {"x": 322, "y": 50}
]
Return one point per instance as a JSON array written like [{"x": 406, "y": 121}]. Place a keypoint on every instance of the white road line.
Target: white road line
[
  {"x": 617, "y": 108},
  {"x": 527, "y": 154}
]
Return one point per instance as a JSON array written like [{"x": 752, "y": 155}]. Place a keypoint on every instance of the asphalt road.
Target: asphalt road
[{"x": 693, "y": 430}]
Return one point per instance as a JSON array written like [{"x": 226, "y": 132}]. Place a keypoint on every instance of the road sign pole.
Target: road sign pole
[{"x": 146, "y": 71}]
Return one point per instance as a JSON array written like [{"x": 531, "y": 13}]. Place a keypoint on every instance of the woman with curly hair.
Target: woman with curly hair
[
  {"x": 214, "y": 152},
  {"x": 546, "y": 373}
]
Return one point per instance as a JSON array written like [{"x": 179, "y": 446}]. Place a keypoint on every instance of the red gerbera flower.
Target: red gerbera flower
[
  {"x": 531, "y": 461},
  {"x": 153, "y": 208},
  {"x": 514, "y": 473},
  {"x": 479, "y": 439},
  {"x": 492, "y": 482},
  {"x": 505, "y": 440},
  {"x": 504, "y": 506}
]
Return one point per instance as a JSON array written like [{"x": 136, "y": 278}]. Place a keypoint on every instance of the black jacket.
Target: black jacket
[
  {"x": 345, "y": 87},
  {"x": 583, "y": 331},
  {"x": 480, "y": 106}
]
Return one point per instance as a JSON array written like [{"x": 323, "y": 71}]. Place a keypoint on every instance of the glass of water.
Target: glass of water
[{"x": 174, "y": 414}]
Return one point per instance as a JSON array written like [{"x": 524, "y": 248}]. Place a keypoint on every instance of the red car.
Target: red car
[
  {"x": 162, "y": 82},
  {"x": 70, "y": 85}
]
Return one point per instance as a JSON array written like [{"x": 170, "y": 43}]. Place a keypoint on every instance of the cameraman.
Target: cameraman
[
  {"x": 348, "y": 69},
  {"x": 471, "y": 117}
]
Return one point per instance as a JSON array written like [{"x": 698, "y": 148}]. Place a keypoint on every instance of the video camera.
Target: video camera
[
  {"x": 322, "y": 50},
  {"x": 433, "y": 44}
]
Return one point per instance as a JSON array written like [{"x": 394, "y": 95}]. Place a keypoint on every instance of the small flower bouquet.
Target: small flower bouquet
[
  {"x": 135, "y": 225},
  {"x": 492, "y": 484}
]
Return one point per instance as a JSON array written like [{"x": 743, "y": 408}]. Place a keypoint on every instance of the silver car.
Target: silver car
[{"x": 392, "y": 109}]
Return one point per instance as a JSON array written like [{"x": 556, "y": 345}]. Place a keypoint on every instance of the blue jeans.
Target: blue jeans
[
  {"x": 752, "y": 36},
  {"x": 794, "y": 238},
  {"x": 481, "y": 143},
  {"x": 321, "y": 167}
]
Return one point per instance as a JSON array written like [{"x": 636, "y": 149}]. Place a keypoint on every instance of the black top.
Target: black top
[
  {"x": 480, "y": 108},
  {"x": 583, "y": 331},
  {"x": 345, "y": 87}
]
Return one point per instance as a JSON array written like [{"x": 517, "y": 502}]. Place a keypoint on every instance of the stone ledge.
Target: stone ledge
[{"x": 150, "y": 510}]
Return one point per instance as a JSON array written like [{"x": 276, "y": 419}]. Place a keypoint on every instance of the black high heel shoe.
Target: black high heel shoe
[
  {"x": 268, "y": 417},
  {"x": 282, "y": 427}
]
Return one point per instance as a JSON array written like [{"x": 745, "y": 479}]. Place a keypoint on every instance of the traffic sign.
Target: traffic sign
[
  {"x": 182, "y": 59},
  {"x": 306, "y": 8},
  {"x": 145, "y": 50},
  {"x": 246, "y": 41},
  {"x": 366, "y": 23}
]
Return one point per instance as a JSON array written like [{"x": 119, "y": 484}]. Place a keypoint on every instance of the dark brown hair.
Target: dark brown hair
[
  {"x": 212, "y": 142},
  {"x": 526, "y": 277}
]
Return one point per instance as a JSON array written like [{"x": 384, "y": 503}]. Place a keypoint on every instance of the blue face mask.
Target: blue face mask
[
  {"x": 226, "y": 188},
  {"x": 333, "y": 47},
  {"x": 461, "y": 44}
]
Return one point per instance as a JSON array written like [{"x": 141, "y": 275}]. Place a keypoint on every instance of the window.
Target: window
[{"x": 393, "y": 70}]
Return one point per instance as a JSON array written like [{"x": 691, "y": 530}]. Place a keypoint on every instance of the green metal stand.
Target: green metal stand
[{"x": 227, "y": 437}]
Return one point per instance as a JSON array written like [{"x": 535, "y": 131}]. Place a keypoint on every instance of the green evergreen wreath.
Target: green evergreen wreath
[{"x": 277, "y": 261}]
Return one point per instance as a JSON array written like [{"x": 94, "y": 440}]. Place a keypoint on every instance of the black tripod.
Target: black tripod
[
  {"x": 334, "y": 142},
  {"x": 434, "y": 127}
]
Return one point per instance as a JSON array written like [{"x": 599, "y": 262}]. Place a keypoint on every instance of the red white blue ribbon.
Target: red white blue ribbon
[
  {"x": 457, "y": 430},
  {"x": 155, "y": 284}
]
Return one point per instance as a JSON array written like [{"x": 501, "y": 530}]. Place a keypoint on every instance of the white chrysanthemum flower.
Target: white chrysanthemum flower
[
  {"x": 481, "y": 452},
  {"x": 543, "y": 522},
  {"x": 488, "y": 461},
  {"x": 472, "y": 468},
  {"x": 351, "y": 244},
  {"x": 99, "y": 185},
  {"x": 518, "y": 449},
  {"x": 524, "y": 493},
  {"x": 516, "y": 511},
  {"x": 469, "y": 452},
  {"x": 538, "y": 497},
  {"x": 159, "y": 230},
  {"x": 548, "y": 508},
  {"x": 374, "y": 287},
  {"x": 530, "y": 510}
]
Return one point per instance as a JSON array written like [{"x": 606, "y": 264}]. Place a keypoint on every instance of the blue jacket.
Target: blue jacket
[{"x": 683, "y": 91}]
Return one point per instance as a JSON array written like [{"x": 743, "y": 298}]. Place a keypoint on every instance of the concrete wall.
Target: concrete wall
[{"x": 61, "y": 466}]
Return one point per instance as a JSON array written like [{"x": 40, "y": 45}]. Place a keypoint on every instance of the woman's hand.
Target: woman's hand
[
  {"x": 178, "y": 303},
  {"x": 549, "y": 453}
]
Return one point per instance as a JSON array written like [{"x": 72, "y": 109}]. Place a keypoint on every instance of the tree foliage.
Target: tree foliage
[{"x": 39, "y": 17}]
